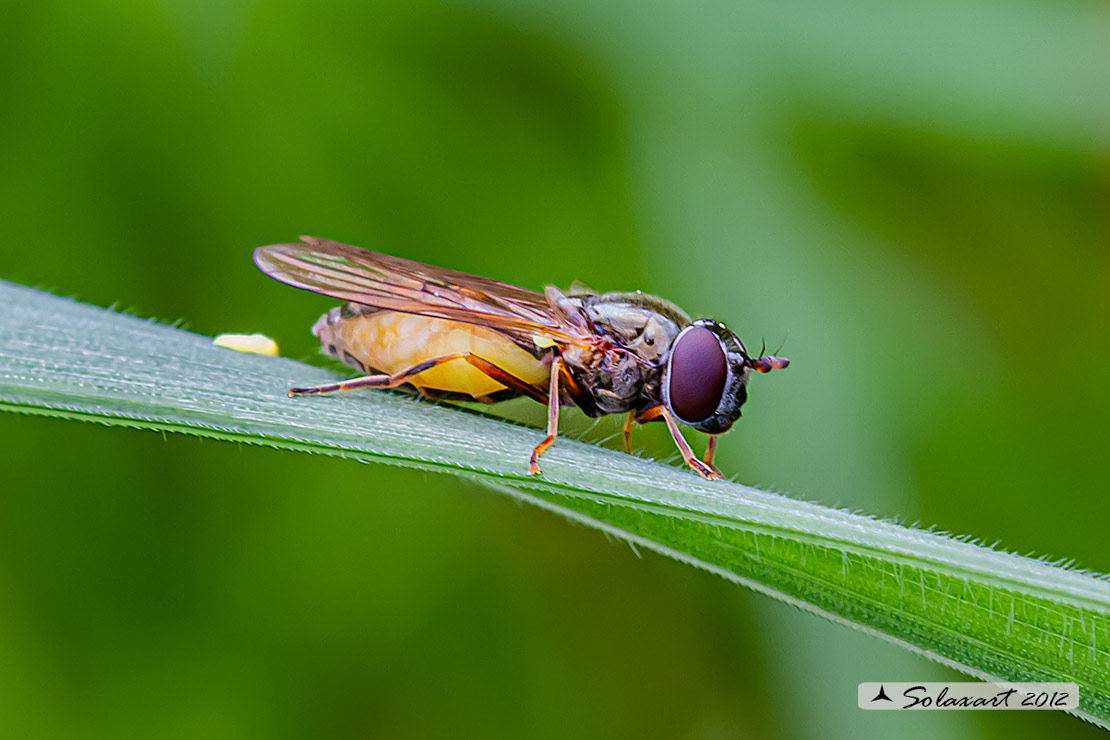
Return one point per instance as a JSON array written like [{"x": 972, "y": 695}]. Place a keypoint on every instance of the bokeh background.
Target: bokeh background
[{"x": 913, "y": 196}]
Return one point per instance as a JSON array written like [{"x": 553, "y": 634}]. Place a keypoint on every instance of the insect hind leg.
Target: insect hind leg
[
  {"x": 494, "y": 372},
  {"x": 507, "y": 379},
  {"x": 376, "y": 381}
]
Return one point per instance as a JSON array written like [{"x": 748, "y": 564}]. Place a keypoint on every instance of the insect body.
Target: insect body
[{"x": 450, "y": 334}]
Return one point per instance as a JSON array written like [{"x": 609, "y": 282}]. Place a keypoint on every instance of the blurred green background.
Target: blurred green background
[{"x": 915, "y": 197}]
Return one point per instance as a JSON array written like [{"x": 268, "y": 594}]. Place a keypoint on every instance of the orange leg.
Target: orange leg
[
  {"x": 551, "y": 398},
  {"x": 375, "y": 381},
  {"x": 710, "y": 451},
  {"x": 627, "y": 431},
  {"x": 506, "y": 378},
  {"x": 392, "y": 381},
  {"x": 552, "y": 416},
  {"x": 705, "y": 469}
]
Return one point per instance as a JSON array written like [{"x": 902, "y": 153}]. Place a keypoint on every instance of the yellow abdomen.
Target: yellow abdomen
[{"x": 390, "y": 342}]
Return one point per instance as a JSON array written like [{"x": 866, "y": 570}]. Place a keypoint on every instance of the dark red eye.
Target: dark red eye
[{"x": 698, "y": 373}]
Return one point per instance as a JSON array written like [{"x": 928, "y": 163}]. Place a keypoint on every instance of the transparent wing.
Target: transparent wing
[{"x": 395, "y": 284}]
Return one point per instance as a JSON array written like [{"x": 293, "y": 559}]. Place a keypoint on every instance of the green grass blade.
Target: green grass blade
[{"x": 984, "y": 612}]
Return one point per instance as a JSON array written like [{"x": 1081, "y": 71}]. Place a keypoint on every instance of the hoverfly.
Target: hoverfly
[{"x": 454, "y": 335}]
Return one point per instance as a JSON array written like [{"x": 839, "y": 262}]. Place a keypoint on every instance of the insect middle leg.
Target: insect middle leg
[
  {"x": 626, "y": 430},
  {"x": 552, "y": 416}
]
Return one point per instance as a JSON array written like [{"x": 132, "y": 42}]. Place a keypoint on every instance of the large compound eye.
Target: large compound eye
[{"x": 698, "y": 374}]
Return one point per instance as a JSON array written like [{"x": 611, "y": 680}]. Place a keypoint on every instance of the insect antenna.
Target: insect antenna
[
  {"x": 766, "y": 363},
  {"x": 783, "y": 344}
]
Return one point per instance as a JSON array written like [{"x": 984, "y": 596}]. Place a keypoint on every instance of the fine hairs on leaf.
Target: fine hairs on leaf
[{"x": 988, "y": 613}]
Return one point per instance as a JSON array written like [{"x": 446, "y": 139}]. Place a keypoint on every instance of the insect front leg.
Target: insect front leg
[
  {"x": 552, "y": 416},
  {"x": 710, "y": 452},
  {"x": 705, "y": 469}
]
